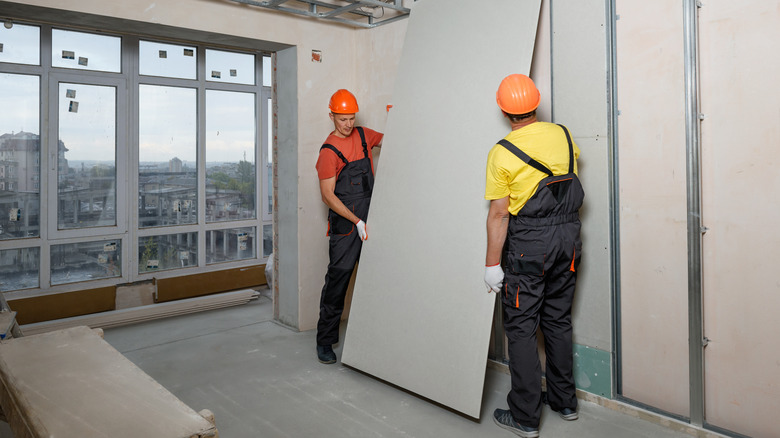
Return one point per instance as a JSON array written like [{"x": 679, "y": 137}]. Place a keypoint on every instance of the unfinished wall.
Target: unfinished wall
[
  {"x": 361, "y": 60},
  {"x": 739, "y": 188},
  {"x": 580, "y": 102},
  {"x": 740, "y": 101},
  {"x": 653, "y": 251}
]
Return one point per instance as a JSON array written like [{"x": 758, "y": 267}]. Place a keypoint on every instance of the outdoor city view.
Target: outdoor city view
[
  {"x": 20, "y": 179},
  {"x": 167, "y": 194},
  {"x": 90, "y": 171}
]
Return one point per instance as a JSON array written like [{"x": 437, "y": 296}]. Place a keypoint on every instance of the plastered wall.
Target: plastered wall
[
  {"x": 374, "y": 63},
  {"x": 358, "y": 59}
]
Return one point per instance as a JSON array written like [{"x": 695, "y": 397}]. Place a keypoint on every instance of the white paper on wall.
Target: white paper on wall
[{"x": 420, "y": 315}]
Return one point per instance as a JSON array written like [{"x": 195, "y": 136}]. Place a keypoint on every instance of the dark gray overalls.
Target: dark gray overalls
[
  {"x": 541, "y": 255},
  {"x": 353, "y": 187}
]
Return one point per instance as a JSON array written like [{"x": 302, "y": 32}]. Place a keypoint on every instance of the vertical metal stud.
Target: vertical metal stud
[
  {"x": 693, "y": 176},
  {"x": 614, "y": 200}
]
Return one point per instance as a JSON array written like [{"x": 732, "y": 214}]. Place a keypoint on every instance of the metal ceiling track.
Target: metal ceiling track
[{"x": 357, "y": 13}]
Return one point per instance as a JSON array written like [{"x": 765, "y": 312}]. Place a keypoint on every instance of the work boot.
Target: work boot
[
  {"x": 567, "y": 414},
  {"x": 325, "y": 354},
  {"x": 503, "y": 418}
]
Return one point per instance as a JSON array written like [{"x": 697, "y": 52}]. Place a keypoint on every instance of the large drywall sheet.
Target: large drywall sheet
[
  {"x": 421, "y": 317},
  {"x": 653, "y": 250},
  {"x": 580, "y": 103},
  {"x": 740, "y": 188}
]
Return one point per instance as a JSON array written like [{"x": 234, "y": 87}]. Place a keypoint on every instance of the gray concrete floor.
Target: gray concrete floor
[{"x": 263, "y": 380}]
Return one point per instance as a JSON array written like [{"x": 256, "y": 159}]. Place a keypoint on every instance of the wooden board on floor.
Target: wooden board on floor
[
  {"x": 72, "y": 384},
  {"x": 421, "y": 317},
  {"x": 146, "y": 313}
]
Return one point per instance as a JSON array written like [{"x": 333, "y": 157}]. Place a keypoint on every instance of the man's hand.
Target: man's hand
[
  {"x": 494, "y": 277},
  {"x": 361, "y": 227}
]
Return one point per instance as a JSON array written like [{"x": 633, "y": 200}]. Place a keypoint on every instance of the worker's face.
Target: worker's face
[{"x": 343, "y": 124}]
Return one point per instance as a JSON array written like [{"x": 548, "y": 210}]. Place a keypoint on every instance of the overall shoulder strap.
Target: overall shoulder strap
[
  {"x": 571, "y": 148},
  {"x": 338, "y": 152},
  {"x": 523, "y": 156},
  {"x": 363, "y": 140}
]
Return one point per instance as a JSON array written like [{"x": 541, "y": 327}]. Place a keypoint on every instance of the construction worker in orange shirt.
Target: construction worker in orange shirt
[{"x": 346, "y": 172}]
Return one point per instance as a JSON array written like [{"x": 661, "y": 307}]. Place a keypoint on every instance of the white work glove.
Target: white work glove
[
  {"x": 494, "y": 277},
  {"x": 361, "y": 227}
]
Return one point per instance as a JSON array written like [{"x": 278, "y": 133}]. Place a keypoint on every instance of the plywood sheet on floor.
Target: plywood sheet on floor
[
  {"x": 71, "y": 383},
  {"x": 421, "y": 317}
]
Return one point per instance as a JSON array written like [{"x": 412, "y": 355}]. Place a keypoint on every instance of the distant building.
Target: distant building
[
  {"x": 20, "y": 162},
  {"x": 174, "y": 165}
]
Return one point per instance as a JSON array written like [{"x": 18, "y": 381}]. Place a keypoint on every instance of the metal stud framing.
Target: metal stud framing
[
  {"x": 358, "y": 13},
  {"x": 695, "y": 226}
]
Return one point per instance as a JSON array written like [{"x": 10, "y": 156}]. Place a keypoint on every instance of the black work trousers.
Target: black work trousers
[
  {"x": 344, "y": 254},
  {"x": 538, "y": 293}
]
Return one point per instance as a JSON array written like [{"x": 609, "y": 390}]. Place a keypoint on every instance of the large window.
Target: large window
[
  {"x": 86, "y": 156},
  {"x": 126, "y": 158},
  {"x": 20, "y": 157},
  {"x": 230, "y": 156},
  {"x": 167, "y": 156}
]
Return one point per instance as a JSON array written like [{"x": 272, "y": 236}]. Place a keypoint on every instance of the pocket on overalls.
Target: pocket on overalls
[
  {"x": 338, "y": 224},
  {"x": 523, "y": 273},
  {"x": 526, "y": 264},
  {"x": 358, "y": 180},
  {"x": 559, "y": 188}
]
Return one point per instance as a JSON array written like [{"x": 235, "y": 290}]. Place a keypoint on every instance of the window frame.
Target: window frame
[
  {"x": 127, "y": 83},
  {"x": 121, "y": 152}
]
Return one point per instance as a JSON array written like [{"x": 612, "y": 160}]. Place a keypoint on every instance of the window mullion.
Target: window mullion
[
  {"x": 130, "y": 63},
  {"x": 201, "y": 154}
]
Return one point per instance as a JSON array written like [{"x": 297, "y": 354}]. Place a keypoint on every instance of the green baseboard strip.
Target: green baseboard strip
[{"x": 593, "y": 370}]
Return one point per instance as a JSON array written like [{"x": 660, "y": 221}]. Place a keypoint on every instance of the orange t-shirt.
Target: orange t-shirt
[{"x": 329, "y": 164}]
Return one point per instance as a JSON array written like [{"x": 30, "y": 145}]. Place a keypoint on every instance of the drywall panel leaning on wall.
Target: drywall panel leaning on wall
[{"x": 421, "y": 316}]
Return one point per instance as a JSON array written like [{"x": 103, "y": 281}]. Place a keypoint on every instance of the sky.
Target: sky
[
  {"x": 20, "y": 109},
  {"x": 167, "y": 115}
]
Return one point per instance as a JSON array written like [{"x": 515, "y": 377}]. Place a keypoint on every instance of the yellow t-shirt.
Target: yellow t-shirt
[{"x": 508, "y": 175}]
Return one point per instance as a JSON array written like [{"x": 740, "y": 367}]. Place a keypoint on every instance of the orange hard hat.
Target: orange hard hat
[
  {"x": 517, "y": 94},
  {"x": 343, "y": 102}
]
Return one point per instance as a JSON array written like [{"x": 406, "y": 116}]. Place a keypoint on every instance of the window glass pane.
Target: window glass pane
[
  {"x": 20, "y": 44},
  {"x": 230, "y": 156},
  {"x": 268, "y": 240},
  {"x": 230, "y": 245},
  {"x": 168, "y": 60},
  {"x": 267, "y": 71},
  {"x": 86, "y": 51},
  {"x": 86, "y": 156},
  {"x": 20, "y": 157},
  {"x": 171, "y": 251},
  {"x": 74, "y": 262},
  {"x": 19, "y": 268},
  {"x": 236, "y": 68},
  {"x": 167, "y": 155}
]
